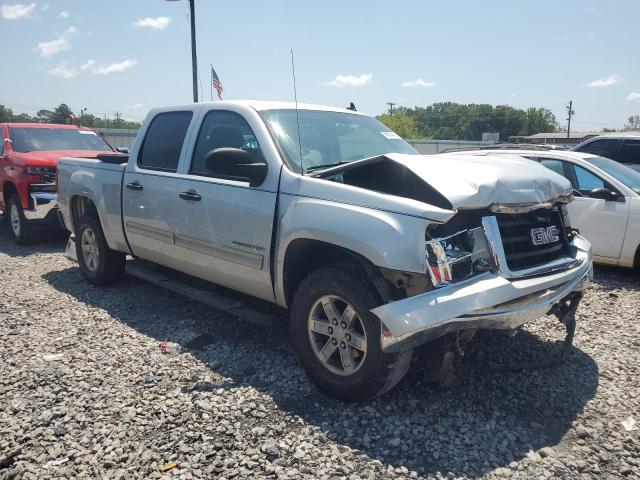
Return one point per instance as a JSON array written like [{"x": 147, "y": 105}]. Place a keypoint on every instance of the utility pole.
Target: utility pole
[
  {"x": 118, "y": 119},
  {"x": 391, "y": 104},
  {"x": 571, "y": 113},
  {"x": 194, "y": 61}
]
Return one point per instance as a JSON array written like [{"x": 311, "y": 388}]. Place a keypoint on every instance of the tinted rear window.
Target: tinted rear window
[
  {"x": 163, "y": 142},
  {"x": 43, "y": 139},
  {"x": 631, "y": 152},
  {"x": 605, "y": 148}
]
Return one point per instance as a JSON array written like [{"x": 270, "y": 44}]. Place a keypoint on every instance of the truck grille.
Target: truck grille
[{"x": 533, "y": 238}]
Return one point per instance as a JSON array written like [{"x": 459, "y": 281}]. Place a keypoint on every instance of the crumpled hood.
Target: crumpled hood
[
  {"x": 480, "y": 181},
  {"x": 49, "y": 158}
]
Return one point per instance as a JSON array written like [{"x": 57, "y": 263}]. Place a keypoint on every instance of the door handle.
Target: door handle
[
  {"x": 134, "y": 186},
  {"x": 190, "y": 195}
]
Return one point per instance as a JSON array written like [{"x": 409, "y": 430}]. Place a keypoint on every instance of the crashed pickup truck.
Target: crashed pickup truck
[{"x": 374, "y": 249}]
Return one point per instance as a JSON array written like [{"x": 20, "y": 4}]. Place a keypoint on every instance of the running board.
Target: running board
[{"x": 183, "y": 285}]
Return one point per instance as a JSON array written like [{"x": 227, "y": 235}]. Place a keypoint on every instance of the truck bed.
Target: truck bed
[{"x": 101, "y": 181}]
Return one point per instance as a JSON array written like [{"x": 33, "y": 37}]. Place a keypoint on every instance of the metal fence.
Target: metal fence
[
  {"x": 118, "y": 137},
  {"x": 124, "y": 137},
  {"x": 431, "y": 147}
]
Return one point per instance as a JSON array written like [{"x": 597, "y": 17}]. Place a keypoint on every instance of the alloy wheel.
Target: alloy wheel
[
  {"x": 337, "y": 335},
  {"x": 89, "y": 247}
]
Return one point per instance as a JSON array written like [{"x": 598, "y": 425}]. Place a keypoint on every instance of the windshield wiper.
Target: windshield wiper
[{"x": 315, "y": 168}]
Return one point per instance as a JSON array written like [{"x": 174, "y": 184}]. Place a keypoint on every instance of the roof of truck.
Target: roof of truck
[{"x": 271, "y": 105}]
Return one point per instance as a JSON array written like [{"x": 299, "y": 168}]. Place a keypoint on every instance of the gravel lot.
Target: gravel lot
[{"x": 86, "y": 393}]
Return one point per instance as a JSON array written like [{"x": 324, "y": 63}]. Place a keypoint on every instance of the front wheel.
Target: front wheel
[
  {"x": 99, "y": 264},
  {"x": 337, "y": 338},
  {"x": 22, "y": 230}
]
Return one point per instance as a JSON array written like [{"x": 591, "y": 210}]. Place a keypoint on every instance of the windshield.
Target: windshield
[
  {"x": 620, "y": 172},
  {"x": 39, "y": 139},
  {"x": 330, "y": 138}
]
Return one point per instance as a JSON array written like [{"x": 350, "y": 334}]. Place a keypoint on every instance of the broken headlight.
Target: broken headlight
[{"x": 457, "y": 257}]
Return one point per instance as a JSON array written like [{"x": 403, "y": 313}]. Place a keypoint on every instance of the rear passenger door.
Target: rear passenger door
[
  {"x": 149, "y": 194},
  {"x": 224, "y": 225}
]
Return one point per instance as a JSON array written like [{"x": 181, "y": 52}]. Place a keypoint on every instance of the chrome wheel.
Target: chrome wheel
[
  {"x": 89, "y": 246},
  {"x": 14, "y": 217},
  {"x": 337, "y": 335}
]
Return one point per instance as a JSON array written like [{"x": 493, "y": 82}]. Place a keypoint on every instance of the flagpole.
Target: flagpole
[{"x": 211, "y": 82}]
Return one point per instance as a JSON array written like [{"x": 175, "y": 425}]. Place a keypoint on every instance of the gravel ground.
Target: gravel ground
[{"x": 86, "y": 393}]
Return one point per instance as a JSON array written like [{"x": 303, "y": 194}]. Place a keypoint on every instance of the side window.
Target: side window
[
  {"x": 631, "y": 152},
  {"x": 605, "y": 148},
  {"x": 223, "y": 129},
  {"x": 587, "y": 181},
  {"x": 163, "y": 142},
  {"x": 554, "y": 165}
]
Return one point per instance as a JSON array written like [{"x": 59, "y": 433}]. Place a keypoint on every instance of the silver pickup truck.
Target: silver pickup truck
[{"x": 374, "y": 249}]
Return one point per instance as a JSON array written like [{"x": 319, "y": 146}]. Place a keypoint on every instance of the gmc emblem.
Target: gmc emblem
[{"x": 545, "y": 235}]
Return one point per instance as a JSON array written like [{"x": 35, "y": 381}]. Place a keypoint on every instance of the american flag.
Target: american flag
[{"x": 217, "y": 84}]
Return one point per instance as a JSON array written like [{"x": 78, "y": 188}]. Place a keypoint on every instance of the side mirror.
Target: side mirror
[
  {"x": 604, "y": 194},
  {"x": 236, "y": 164},
  {"x": 124, "y": 150}
]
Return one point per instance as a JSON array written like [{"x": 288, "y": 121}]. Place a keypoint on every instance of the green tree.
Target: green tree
[
  {"x": 60, "y": 114},
  {"x": 400, "y": 122},
  {"x": 633, "y": 123}
]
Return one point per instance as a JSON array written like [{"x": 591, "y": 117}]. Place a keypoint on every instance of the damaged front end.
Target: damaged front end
[{"x": 505, "y": 269}]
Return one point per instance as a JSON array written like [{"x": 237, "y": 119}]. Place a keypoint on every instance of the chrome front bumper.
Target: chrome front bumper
[
  {"x": 488, "y": 301},
  {"x": 43, "y": 203}
]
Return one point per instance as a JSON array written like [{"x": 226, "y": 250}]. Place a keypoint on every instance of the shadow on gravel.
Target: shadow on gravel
[
  {"x": 612, "y": 277},
  {"x": 53, "y": 241},
  {"x": 486, "y": 420}
]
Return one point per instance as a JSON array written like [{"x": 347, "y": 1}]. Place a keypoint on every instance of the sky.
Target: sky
[{"x": 130, "y": 56}]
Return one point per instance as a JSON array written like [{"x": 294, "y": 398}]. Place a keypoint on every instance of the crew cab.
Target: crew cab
[
  {"x": 28, "y": 158},
  {"x": 373, "y": 248}
]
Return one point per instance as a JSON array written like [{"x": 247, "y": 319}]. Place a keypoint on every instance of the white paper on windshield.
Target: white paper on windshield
[
  {"x": 390, "y": 135},
  {"x": 87, "y": 132}
]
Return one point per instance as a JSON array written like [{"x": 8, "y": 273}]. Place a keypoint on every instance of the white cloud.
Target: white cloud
[
  {"x": 606, "y": 82},
  {"x": 590, "y": 10},
  {"x": 159, "y": 23},
  {"x": 63, "y": 42},
  {"x": 418, "y": 83},
  {"x": 136, "y": 106},
  {"x": 88, "y": 64},
  {"x": 16, "y": 11},
  {"x": 45, "y": 6},
  {"x": 633, "y": 97},
  {"x": 62, "y": 71},
  {"x": 115, "y": 67},
  {"x": 350, "y": 80},
  {"x": 64, "y": 14}
]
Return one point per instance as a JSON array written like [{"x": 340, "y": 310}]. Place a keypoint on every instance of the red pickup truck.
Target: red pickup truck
[{"x": 29, "y": 154}]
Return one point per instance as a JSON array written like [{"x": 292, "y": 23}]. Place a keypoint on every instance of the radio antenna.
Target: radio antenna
[{"x": 295, "y": 96}]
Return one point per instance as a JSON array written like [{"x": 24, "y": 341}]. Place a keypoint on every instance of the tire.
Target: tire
[
  {"x": 370, "y": 372},
  {"x": 99, "y": 265},
  {"x": 23, "y": 231}
]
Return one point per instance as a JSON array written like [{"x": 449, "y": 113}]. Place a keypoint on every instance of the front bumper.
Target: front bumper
[
  {"x": 488, "y": 301},
  {"x": 42, "y": 205}
]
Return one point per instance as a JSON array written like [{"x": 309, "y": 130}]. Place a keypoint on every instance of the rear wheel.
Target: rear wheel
[
  {"x": 337, "y": 338},
  {"x": 99, "y": 264},
  {"x": 22, "y": 230}
]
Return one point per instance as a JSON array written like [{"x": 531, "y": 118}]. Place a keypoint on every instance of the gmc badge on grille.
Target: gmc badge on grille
[{"x": 545, "y": 235}]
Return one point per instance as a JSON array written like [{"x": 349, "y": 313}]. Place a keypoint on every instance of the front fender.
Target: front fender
[{"x": 386, "y": 239}]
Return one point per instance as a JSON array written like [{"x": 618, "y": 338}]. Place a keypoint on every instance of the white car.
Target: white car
[{"x": 606, "y": 209}]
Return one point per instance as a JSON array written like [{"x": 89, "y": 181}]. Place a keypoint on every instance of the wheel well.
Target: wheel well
[
  {"x": 8, "y": 189},
  {"x": 81, "y": 206},
  {"x": 304, "y": 256},
  {"x": 636, "y": 261}
]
